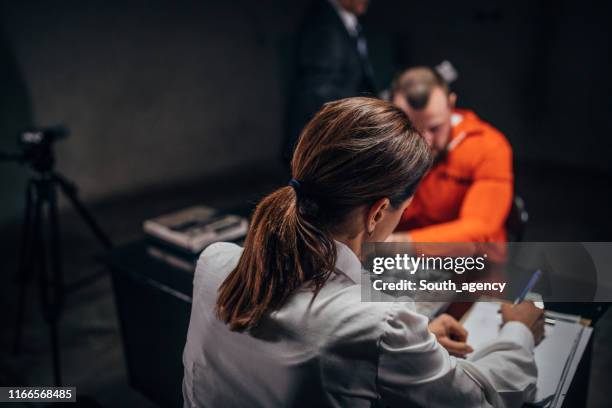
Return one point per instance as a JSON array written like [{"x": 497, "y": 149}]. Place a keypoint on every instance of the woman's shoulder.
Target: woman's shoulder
[
  {"x": 220, "y": 250},
  {"x": 218, "y": 260}
]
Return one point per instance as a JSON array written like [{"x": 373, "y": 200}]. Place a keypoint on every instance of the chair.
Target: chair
[{"x": 517, "y": 220}]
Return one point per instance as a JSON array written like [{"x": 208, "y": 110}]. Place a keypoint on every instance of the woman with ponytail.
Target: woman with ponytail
[{"x": 280, "y": 322}]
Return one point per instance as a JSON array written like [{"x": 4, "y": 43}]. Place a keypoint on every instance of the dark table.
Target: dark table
[{"x": 153, "y": 300}]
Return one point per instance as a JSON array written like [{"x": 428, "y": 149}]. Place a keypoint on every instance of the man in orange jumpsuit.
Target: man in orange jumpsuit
[{"x": 467, "y": 194}]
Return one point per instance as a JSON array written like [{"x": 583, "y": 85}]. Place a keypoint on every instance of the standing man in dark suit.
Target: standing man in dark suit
[{"x": 332, "y": 63}]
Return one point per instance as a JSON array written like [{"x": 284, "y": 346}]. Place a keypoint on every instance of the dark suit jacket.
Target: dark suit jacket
[{"x": 328, "y": 67}]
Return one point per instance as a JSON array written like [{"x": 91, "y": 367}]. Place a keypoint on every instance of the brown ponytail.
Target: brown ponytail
[{"x": 353, "y": 152}]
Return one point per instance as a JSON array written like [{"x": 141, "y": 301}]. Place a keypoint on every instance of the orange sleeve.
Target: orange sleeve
[{"x": 485, "y": 206}]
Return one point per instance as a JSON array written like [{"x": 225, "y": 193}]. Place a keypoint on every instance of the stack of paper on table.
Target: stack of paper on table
[
  {"x": 557, "y": 356},
  {"x": 192, "y": 229}
]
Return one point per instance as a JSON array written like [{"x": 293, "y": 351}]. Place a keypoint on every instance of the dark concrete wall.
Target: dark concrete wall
[
  {"x": 158, "y": 92},
  {"x": 153, "y": 92}
]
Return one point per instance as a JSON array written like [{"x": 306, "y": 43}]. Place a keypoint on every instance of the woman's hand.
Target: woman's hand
[
  {"x": 528, "y": 314},
  {"x": 451, "y": 335}
]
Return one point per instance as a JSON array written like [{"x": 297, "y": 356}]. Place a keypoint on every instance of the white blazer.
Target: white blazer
[{"x": 338, "y": 351}]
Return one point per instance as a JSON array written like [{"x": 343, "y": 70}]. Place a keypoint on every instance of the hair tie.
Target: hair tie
[
  {"x": 295, "y": 184},
  {"x": 306, "y": 204}
]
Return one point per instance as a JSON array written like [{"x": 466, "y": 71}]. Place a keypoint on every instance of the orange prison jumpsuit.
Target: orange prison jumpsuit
[{"x": 467, "y": 195}]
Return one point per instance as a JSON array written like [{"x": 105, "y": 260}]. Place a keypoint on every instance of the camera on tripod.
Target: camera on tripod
[
  {"x": 32, "y": 138},
  {"x": 35, "y": 145},
  {"x": 40, "y": 256}
]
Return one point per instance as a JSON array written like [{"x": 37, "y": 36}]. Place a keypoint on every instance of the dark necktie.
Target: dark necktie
[{"x": 362, "y": 50}]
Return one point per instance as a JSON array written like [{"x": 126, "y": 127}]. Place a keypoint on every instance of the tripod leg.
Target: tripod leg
[
  {"x": 46, "y": 293},
  {"x": 57, "y": 297},
  {"x": 53, "y": 239},
  {"x": 25, "y": 263},
  {"x": 70, "y": 190}
]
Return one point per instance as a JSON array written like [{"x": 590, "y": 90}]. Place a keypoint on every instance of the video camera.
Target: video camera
[{"x": 35, "y": 146}]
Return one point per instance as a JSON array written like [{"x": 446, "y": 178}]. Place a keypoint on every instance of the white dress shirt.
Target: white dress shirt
[
  {"x": 335, "y": 350},
  {"x": 348, "y": 19},
  {"x": 353, "y": 28}
]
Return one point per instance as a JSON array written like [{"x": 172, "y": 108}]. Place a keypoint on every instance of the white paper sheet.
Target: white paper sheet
[{"x": 552, "y": 354}]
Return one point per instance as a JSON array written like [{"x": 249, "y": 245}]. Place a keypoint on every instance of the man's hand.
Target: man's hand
[
  {"x": 399, "y": 237},
  {"x": 450, "y": 334}
]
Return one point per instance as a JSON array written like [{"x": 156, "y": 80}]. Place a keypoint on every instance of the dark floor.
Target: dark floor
[{"x": 564, "y": 205}]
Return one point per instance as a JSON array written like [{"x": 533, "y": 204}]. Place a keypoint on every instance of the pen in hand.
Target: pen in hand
[{"x": 532, "y": 281}]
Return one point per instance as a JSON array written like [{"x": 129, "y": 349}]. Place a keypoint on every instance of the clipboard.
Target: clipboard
[{"x": 567, "y": 338}]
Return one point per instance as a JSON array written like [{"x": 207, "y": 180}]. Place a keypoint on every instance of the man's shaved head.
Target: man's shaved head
[
  {"x": 426, "y": 98},
  {"x": 416, "y": 85}
]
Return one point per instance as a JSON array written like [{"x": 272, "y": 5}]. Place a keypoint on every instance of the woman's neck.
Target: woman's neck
[{"x": 354, "y": 243}]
